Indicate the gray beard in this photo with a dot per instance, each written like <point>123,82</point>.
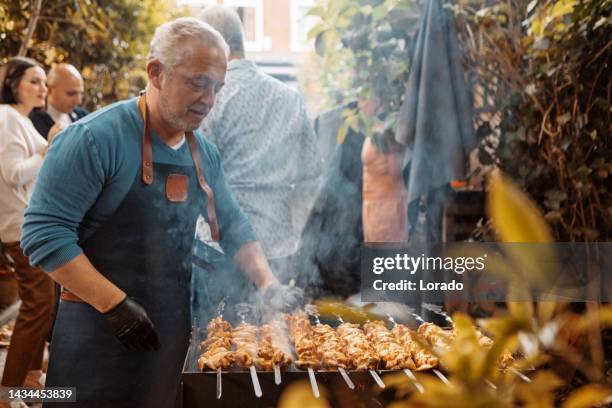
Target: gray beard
<point>175,119</point>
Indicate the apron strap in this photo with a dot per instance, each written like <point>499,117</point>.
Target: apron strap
<point>212,214</point>
<point>147,145</point>
<point>147,165</point>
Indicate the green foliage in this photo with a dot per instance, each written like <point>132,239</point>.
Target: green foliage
<point>365,45</point>
<point>546,336</point>
<point>542,83</point>
<point>107,40</point>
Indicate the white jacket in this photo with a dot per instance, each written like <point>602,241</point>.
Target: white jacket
<point>20,160</point>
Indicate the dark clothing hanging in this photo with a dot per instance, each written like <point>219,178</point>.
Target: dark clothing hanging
<point>330,250</point>
<point>436,117</point>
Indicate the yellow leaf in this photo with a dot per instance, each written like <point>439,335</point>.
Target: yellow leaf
<point>399,404</point>
<point>331,309</point>
<point>519,304</point>
<point>318,11</point>
<point>299,395</point>
<point>562,8</point>
<point>501,327</point>
<point>497,264</point>
<point>548,309</point>
<point>516,217</point>
<point>315,31</point>
<point>342,133</point>
<point>540,392</point>
<point>537,27</point>
<point>592,395</point>
<point>601,316</point>
<point>398,382</point>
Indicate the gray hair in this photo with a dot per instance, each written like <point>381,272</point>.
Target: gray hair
<point>165,44</point>
<point>225,20</point>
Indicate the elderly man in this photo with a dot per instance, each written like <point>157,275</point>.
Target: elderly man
<point>65,94</point>
<point>112,219</point>
<point>268,147</point>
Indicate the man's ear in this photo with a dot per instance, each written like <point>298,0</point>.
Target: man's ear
<point>154,72</point>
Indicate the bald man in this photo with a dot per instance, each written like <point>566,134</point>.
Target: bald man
<point>65,94</point>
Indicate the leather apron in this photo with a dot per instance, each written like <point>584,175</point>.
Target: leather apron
<point>145,249</point>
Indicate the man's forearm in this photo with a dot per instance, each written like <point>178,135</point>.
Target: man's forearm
<point>81,278</point>
<point>252,260</point>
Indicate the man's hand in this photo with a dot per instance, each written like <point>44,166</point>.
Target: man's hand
<point>131,325</point>
<point>282,297</point>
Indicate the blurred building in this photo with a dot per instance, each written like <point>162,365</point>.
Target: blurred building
<point>275,30</point>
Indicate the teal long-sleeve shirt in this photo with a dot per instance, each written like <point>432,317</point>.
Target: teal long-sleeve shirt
<point>89,170</point>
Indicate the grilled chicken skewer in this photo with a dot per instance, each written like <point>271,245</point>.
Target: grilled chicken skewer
<point>391,353</point>
<point>330,347</point>
<point>244,340</point>
<point>216,348</point>
<point>217,354</point>
<point>438,337</point>
<point>361,355</point>
<point>423,360</point>
<point>274,350</point>
<point>300,333</point>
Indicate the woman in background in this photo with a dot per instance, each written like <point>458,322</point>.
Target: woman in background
<point>22,149</point>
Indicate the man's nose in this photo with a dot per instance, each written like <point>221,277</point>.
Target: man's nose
<point>208,97</point>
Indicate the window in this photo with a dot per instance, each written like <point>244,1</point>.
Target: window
<point>251,14</point>
<point>301,25</point>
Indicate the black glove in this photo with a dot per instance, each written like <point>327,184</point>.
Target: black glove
<point>283,298</point>
<point>130,323</point>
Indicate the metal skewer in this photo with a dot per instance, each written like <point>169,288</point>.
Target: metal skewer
<point>519,374</point>
<point>373,373</point>
<point>312,311</point>
<point>441,376</point>
<point>414,380</point>
<point>313,383</point>
<point>277,375</point>
<point>346,378</point>
<point>408,371</point>
<point>377,378</point>
<point>255,381</point>
<point>490,384</point>
<point>343,372</point>
<point>220,307</point>
<point>418,318</point>
<point>219,313</point>
<point>438,310</point>
<point>242,310</point>
<point>219,385</point>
